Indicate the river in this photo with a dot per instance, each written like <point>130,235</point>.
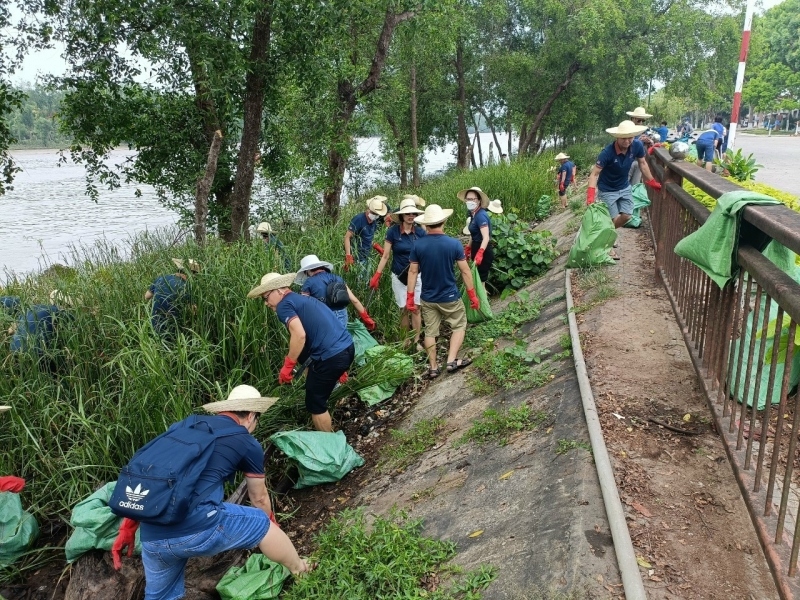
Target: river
<point>48,211</point>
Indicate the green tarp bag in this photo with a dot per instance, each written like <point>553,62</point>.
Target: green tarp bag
<point>362,340</point>
<point>542,210</point>
<point>484,313</point>
<point>18,529</point>
<point>258,579</point>
<point>399,364</point>
<point>96,527</point>
<point>320,457</point>
<point>595,238</point>
<point>640,201</point>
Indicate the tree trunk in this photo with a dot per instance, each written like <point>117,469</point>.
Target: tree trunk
<point>462,151</point>
<point>401,152</point>
<point>414,141</point>
<point>203,189</point>
<point>491,127</point>
<point>477,138</point>
<point>255,89</point>
<point>222,210</point>
<point>510,131</point>
<point>472,151</point>
<point>525,144</point>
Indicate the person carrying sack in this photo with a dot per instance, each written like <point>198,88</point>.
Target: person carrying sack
<point>400,240</point>
<point>210,526</point>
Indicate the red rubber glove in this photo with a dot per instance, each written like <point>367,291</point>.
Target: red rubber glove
<point>561,187</point>
<point>286,375</point>
<point>590,195</point>
<point>652,148</point>
<point>343,378</point>
<point>367,320</point>
<point>479,256</point>
<point>410,301</point>
<point>467,251</point>
<point>377,247</point>
<point>653,184</point>
<point>474,302</point>
<point>12,484</point>
<point>373,283</point>
<point>126,538</point>
<point>348,262</point>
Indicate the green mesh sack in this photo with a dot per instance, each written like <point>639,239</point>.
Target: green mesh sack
<point>258,579</point>
<point>640,201</point>
<point>400,365</point>
<point>320,457</point>
<point>18,529</point>
<point>362,340</point>
<point>484,313</point>
<point>594,239</point>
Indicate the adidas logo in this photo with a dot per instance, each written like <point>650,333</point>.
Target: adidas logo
<point>136,494</point>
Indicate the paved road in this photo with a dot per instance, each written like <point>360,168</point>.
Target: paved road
<point>780,156</point>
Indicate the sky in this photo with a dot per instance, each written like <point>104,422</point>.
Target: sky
<point>49,62</point>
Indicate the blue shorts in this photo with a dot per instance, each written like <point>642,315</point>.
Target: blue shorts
<point>239,528</point>
<point>618,202</point>
<point>705,150</point>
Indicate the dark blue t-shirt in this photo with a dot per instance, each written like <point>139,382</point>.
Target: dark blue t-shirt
<point>402,243</point>
<point>169,294</point>
<point>9,304</point>
<point>616,167</point>
<point>35,328</point>
<point>710,136</point>
<point>364,231</point>
<point>719,128</point>
<point>316,286</point>
<point>479,219</point>
<point>566,168</point>
<point>232,453</point>
<point>436,254</point>
<point>663,132</point>
<point>325,334</point>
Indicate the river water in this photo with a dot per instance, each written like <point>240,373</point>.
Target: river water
<point>48,211</point>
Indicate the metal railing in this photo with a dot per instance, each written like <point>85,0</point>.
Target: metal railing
<point>741,339</point>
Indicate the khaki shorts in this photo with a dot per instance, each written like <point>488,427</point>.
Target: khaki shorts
<point>452,313</point>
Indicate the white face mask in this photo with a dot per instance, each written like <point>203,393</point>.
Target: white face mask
<point>472,205</point>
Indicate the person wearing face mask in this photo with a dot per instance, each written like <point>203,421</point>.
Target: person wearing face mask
<point>480,229</point>
<point>363,227</point>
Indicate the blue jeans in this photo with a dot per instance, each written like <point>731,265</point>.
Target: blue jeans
<point>705,150</point>
<point>239,527</point>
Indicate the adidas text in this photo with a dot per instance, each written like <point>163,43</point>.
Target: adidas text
<point>131,505</point>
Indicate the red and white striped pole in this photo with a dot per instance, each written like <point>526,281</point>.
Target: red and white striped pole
<point>737,93</point>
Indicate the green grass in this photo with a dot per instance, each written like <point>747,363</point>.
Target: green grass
<point>387,559</point>
<point>498,425</point>
<point>509,368</point>
<point>597,285</point>
<point>565,446</point>
<point>407,446</point>
<point>525,307</point>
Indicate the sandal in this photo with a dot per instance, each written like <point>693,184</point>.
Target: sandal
<point>433,373</point>
<point>457,364</point>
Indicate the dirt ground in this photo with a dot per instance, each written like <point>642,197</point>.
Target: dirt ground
<point>690,528</point>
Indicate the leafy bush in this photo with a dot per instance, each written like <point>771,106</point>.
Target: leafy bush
<point>789,200</point>
<point>739,167</point>
<point>519,255</point>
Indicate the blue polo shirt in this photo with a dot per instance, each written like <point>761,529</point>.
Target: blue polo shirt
<point>316,286</point>
<point>719,128</point>
<point>325,334</point>
<point>479,220</point>
<point>170,293</point>
<point>364,231</point>
<point>663,132</point>
<point>402,244</point>
<point>9,304</point>
<point>232,453</point>
<point>566,168</point>
<point>615,167</point>
<point>35,328</point>
<point>436,253</point>
<point>710,136</point>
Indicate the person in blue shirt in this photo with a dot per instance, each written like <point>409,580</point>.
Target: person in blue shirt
<point>314,277</point>
<point>564,176</point>
<point>171,297</point>
<point>315,332</point>
<point>271,242</point>
<point>35,329</point>
<point>663,132</point>
<point>480,230</point>
<point>434,255</point>
<point>706,144</point>
<point>611,171</point>
<point>400,239</point>
<point>720,129</point>
<point>362,227</point>
<point>215,526</point>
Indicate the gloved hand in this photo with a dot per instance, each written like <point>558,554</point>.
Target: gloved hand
<point>561,187</point>
<point>467,251</point>
<point>373,283</point>
<point>343,378</point>
<point>10,483</point>
<point>653,184</point>
<point>590,195</point>
<point>410,301</point>
<point>367,320</point>
<point>474,302</point>
<point>126,538</point>
<point>652,148</point>
<point>348,262</point>
<point>479,256</point>
<point>286,375</point>
<point>377,247</point>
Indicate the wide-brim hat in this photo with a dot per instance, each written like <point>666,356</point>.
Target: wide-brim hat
<point>433,215</point>
<point>242,398</point>
<point>187,265</point>
<point>484,198</point>
<point>271,281</point>
<point>466,230</point>
<point>418,200</point>
<point>309,263</point>
<point>626,129</point>
<point>561,156</point>
<point>638,113</point>
<point>496,207</point>
<point>409,206</point>
<point>377,204</point>
<point>264,227</point>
